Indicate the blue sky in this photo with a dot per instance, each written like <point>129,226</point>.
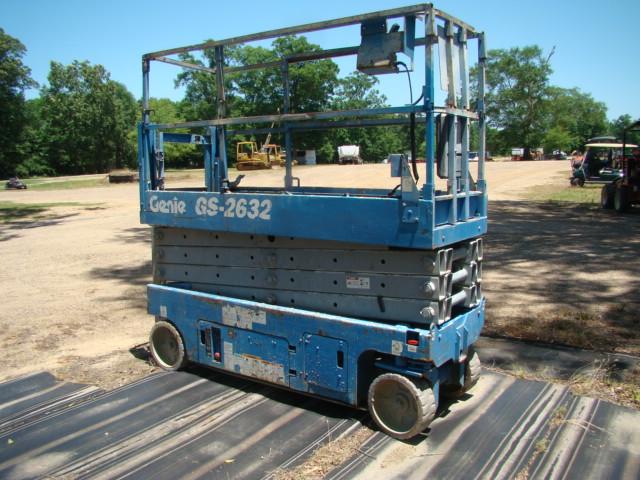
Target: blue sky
<point>596,44</point>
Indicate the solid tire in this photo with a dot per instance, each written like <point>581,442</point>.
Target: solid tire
<point>621,199</point>
<point>472,372</point>
<point>167,347</point>
<point>400,406</point>
<point>606,196</point>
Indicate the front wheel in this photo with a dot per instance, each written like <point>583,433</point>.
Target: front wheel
<point>400,406</point>
<point>166,346</point>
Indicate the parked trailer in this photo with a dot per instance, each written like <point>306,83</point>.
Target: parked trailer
<point>368,297</point>
<point>349,154</point>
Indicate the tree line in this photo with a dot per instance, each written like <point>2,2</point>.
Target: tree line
<point>84,122</point>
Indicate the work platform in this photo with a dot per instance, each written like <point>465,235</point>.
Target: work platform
<point>368,297</point>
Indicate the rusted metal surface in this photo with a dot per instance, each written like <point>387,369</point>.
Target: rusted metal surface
<point>205,425</point>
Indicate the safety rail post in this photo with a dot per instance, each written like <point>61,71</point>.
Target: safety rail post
<point>288,141</point>
<point>431,39</point>
<point>210,161</point>
<point>464,121</point>
<point>482,60</point>
<point>452,180</point>
<point>143,134</point>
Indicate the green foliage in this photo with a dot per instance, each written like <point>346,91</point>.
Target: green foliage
<point>618,126</point>
<point>523,110</point>
<point>517,86</point>
<point>313,86</point>
<point>573,118</point>
<point>14,79</point>
<point>164,110</point>
<point>86,118</point>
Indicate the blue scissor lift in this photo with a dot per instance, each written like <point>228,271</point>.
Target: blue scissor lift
<point>368,297</point>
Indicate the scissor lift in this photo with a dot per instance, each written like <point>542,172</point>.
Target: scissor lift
<point>368,297</point>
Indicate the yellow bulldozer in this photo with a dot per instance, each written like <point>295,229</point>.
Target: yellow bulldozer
<point>250,157</point>
<point>275,153</point>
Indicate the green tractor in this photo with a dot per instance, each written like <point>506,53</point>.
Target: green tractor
<point>625,190</point>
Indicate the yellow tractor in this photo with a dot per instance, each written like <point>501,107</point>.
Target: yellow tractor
<point>275,154</point>
<point>248,157</point>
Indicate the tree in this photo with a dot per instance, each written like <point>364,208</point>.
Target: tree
<point>618,126</point>
<point>573,118</point>
<point>14,79</point>
<point>177,155</point>
<point>357,91</point>
<point>517,86</point>
<point>87,117</point>
<point>32,148</point>
<point>256,92</point>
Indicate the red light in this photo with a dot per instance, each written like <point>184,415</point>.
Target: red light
<point>412,342</point>
<point>216,356</point>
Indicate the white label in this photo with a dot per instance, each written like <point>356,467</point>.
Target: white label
<point>175,206</point>
<point>234,207</point>
<point>412,348</point>
<point>396,347</point>
<point>360,283</point>
<point>163,311</point>
<point>242,317</point>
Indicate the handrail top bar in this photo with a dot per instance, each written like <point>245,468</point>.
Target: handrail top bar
<point>300,117</point>
<point>315,26</point>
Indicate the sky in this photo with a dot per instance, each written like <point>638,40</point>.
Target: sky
<point>596,44</point>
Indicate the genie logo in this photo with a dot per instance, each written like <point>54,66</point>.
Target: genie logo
<point>167,206</point>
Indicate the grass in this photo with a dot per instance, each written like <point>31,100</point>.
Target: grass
<point>587,195</point>
<point>611,328</point>
<point>53,184</point>
<point>598,380</point>
<point>11,211</point>
<point>326,457</point>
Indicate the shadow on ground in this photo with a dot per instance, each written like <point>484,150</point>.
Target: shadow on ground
<point>567,274</point>
<point>135,234</point>
<point>21,219</point>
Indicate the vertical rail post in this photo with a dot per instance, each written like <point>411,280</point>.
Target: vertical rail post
<point>482,60</point>
<point>464,121</point>
<point>210,160</point>
<point>220,159</point>
<point>288,143</point>
<point>429,189</point>
<point>452,120</point>
<point>144,146</point>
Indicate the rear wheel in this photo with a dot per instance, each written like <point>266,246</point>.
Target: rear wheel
<point>167,347</point>
<point>621,199</point>
<point>606,196</point>
<point>400,406</point>
<point>472,371</point>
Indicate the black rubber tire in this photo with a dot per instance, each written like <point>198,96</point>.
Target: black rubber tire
<point>606,196</point>
<point>472,372</point>
<point>167,347</point>
<point>401,407</point>
<point>621,199</point>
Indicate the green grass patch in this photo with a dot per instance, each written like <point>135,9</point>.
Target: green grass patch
<point>587,195</point>
<point>11,211</point>
<point>52,184</point>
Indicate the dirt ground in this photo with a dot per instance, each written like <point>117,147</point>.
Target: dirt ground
<point>73,277</point>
